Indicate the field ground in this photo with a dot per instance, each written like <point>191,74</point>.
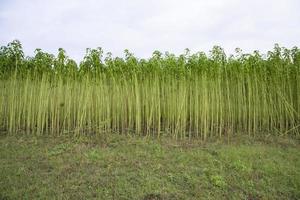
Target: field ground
<point>122,167</point>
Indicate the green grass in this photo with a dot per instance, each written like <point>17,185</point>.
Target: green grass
<point>123,167</point>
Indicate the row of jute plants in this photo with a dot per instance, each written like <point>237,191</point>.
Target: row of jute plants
<point>186,96</point>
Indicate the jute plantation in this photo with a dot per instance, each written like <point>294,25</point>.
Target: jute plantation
<point>182,96</point>
<point>189,126</point>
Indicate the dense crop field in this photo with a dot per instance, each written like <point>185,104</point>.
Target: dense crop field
<point>185,96</point>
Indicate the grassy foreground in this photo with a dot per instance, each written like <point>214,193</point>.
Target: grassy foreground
<point>122,167</point>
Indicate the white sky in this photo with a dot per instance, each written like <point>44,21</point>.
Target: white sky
<point>143,26</point>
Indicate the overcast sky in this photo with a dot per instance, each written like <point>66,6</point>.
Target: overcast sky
<point>143,26</point>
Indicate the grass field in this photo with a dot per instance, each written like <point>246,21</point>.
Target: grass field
<point>122,167</point>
